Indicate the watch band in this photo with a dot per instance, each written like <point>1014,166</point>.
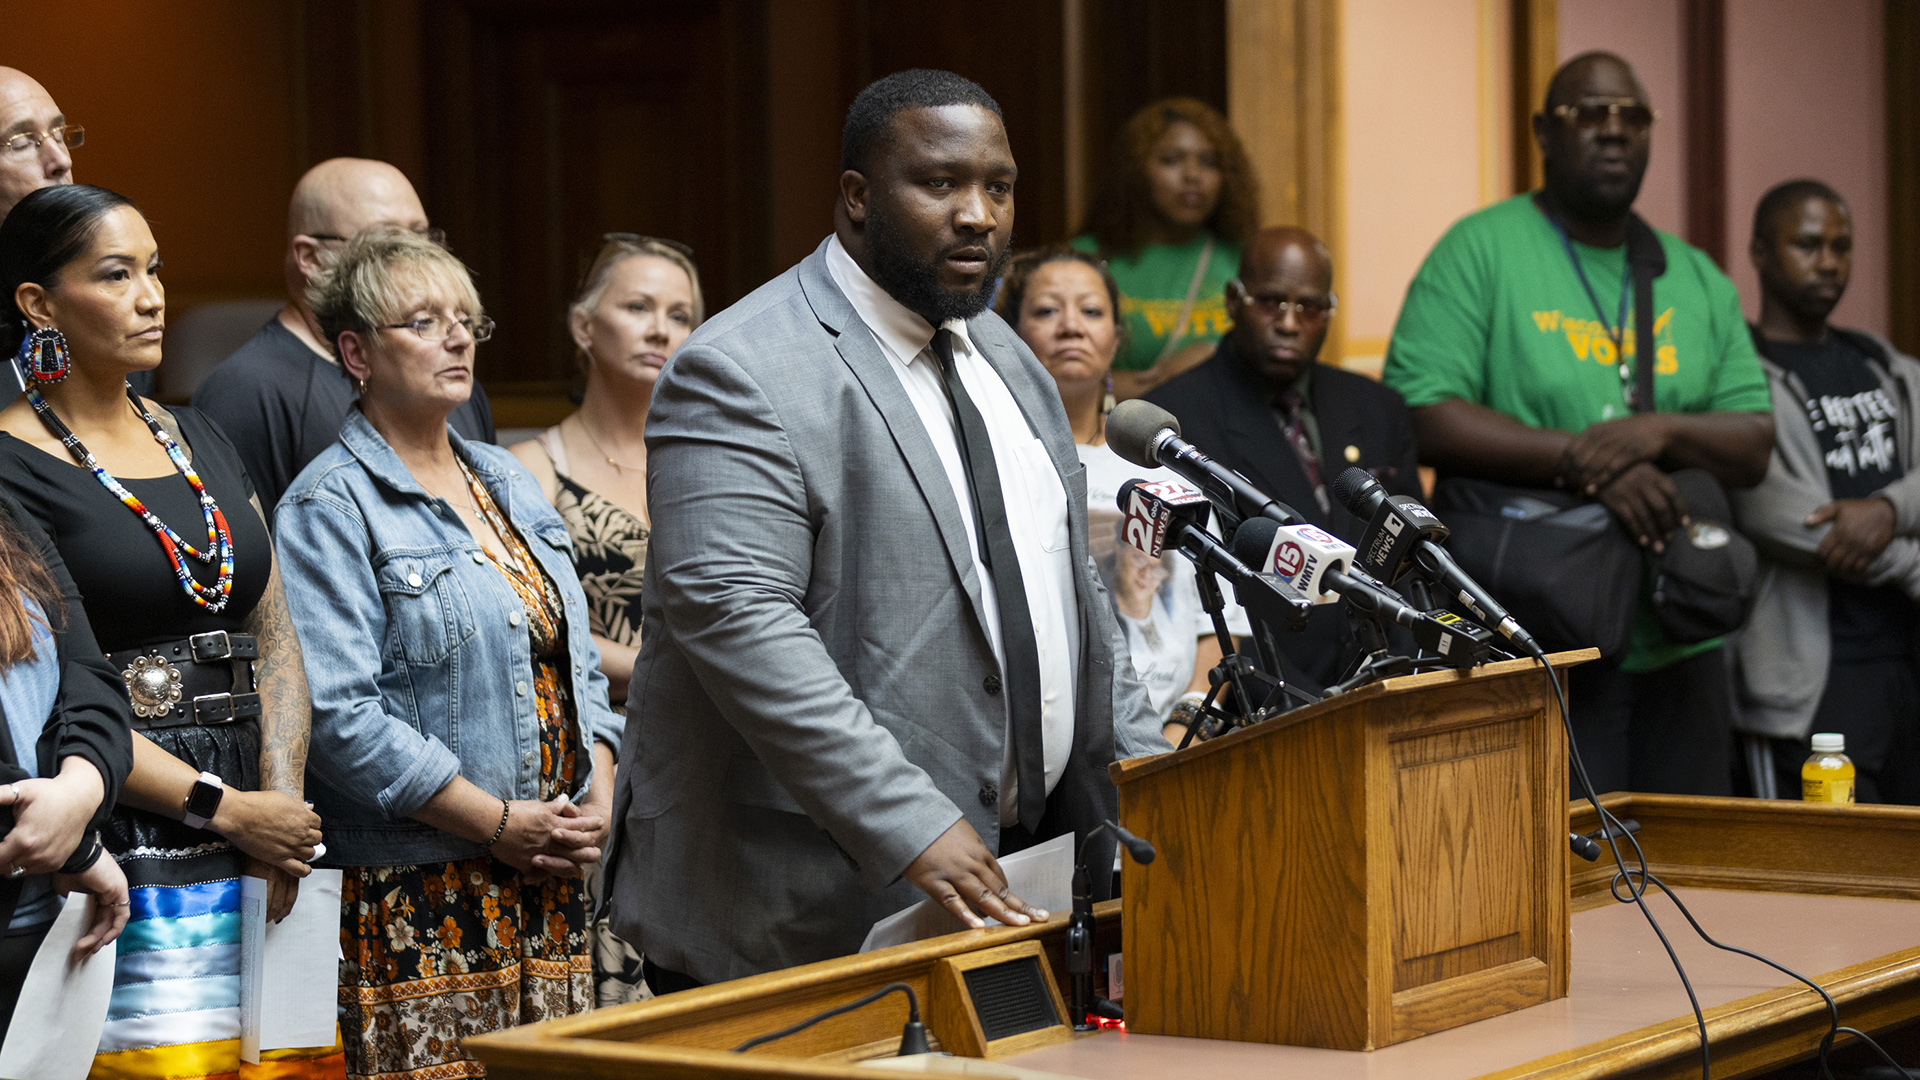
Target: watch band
<point>203,801</point>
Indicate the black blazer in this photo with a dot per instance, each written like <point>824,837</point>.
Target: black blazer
<point>1226,410</point>
<point>91,717</point>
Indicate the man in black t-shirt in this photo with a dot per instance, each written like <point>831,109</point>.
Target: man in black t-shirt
<point>1832,644</point>
<point>282,395</point>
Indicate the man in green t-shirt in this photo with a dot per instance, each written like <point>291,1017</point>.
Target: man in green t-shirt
<point>1515,349</point>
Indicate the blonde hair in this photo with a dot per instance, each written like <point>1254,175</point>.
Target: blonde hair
<point>376,273</point>
<point>616,248</point>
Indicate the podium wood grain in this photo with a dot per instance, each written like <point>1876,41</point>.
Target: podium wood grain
<point>1358,872</point>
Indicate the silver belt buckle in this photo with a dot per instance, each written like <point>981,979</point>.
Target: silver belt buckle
<point>154,685</point>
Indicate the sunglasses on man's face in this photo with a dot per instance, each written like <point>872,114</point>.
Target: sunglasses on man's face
<point>1591,114</point>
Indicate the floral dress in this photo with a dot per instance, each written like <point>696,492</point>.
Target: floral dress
<point>435,953</point>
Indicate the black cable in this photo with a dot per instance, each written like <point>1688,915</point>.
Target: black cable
<point>913,1017</point>
<point>1833,1010</point>
<point>1612,829</point>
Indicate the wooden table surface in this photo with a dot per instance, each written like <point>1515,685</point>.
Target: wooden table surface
<point>1626,1010</point>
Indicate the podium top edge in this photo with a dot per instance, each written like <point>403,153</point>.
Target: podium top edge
<point>1134,768</point>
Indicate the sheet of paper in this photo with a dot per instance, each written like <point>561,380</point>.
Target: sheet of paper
<point>63,1006</point>
<point>288,969</point>
<point>1042,875</point>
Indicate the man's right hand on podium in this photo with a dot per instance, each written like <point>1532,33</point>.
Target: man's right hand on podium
<point>962,876</point>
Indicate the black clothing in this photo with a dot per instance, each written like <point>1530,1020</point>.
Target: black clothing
<point>122,571</point>
<point>1668,731</point>
<point>1854,420</point>
<point>1876,705</point>
<point>1226,408</point>
<point>282,403</point>
<point>17,951</point>
<point>91,716</point>
<point>133,599</point>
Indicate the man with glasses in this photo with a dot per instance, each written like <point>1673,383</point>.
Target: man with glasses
<point>282,396</point>
<point>1262,405</point>
<point>1516,348</point>
<point>34,139</point>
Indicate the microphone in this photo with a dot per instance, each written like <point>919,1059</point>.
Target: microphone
<point>1149,436</point>
<point>1080,928</point>
<point>1359,493</point>
<point>1320,565</point>
<point>1163,514</point>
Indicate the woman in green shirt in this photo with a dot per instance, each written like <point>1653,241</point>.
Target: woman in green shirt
<point>1169,219</point>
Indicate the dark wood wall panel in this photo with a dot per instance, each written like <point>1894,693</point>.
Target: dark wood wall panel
<point>1139,51</point>
<point>1903,173</point>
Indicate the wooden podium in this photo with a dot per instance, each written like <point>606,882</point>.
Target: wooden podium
<point>1362,871</point>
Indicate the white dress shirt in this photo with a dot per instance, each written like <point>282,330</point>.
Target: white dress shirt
<point>1036,500</point>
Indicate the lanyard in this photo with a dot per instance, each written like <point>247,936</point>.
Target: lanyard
<point>1616,330</point>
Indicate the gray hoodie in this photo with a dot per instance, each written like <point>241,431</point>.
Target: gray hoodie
<point>1781,658</point>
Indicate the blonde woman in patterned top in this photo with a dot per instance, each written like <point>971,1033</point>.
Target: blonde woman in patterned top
<point>638,300</point>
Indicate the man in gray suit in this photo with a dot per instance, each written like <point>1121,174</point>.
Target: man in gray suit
<point>874,650</point>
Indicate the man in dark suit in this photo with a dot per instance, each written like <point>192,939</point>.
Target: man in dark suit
<point>1262,406</point>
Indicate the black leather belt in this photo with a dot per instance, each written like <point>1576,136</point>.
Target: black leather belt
<point>205,679</point>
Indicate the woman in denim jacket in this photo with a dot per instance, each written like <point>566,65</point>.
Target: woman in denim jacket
<point>462,738</point>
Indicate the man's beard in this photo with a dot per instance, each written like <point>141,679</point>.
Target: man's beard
<point>1592,200</point>
<point>916,284</point>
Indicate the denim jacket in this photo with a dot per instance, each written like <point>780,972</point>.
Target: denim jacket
<point>416,648</point>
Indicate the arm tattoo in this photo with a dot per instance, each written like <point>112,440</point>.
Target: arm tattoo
<point>286,716</point>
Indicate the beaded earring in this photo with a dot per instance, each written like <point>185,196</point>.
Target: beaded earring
<point>43,357</point>
<point>1107,403</point>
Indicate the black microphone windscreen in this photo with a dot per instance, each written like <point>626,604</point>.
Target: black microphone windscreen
<point>1253,539</point>
<point>1349,488</point>
<point>1141,851</point>
<point>1126,493</point>
<point>1132,425</point>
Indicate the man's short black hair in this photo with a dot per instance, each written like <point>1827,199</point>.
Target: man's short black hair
<point>1783,197</point>
<point>918,88</point>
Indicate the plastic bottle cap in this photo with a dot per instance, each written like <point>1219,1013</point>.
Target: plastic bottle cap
<point>1829,743</point>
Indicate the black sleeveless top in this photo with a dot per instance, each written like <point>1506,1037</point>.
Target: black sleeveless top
<point>127,583</point>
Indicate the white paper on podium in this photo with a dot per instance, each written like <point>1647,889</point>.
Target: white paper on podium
<point>56,1026</point>
<point>289,969</point>
<point>1042,875</point>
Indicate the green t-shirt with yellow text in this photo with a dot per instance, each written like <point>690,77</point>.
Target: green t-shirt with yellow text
<point>1153,285</point>
<point>1497,316</point>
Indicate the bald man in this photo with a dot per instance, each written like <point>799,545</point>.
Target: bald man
<point>281,397</point>
<point>34,139</point>
<point>1516,350</point>
<point>1264,406</point>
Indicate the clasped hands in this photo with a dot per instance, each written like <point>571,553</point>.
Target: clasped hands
<point>1862,529</point>
<point>1613,461</point>
<point>553,838</point>
<point>50,819</point>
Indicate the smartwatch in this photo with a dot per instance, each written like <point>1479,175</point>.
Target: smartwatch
<point>203,801</point>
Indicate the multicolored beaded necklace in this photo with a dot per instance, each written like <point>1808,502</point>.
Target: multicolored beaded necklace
<point>219,540</point>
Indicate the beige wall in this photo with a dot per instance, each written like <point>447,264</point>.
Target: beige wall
<point>1426,142</point>
<point>1805,98</point>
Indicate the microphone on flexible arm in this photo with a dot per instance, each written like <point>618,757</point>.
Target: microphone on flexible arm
<point>1080,928</point>
<point>1399,527</point>
<point>1320,565</point>
<point>1147,435</point>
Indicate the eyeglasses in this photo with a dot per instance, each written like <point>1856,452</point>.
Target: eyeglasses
<point>636,238</point>
<point>69,136</point>
<point>435,234</point>
<point>437,327</point>
<point>1591,114</point>
<point>1306,308</point>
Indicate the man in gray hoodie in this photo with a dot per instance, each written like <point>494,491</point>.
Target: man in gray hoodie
<point>1831,646</point>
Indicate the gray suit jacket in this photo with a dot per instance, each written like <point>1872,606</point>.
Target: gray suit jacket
<point>809,711</point>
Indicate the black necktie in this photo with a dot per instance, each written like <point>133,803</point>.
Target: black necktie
<point>1009,589</point>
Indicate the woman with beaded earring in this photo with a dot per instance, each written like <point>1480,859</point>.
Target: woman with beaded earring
<point>154,518</point>
<point>638,300</point>
<point>1063,304</point>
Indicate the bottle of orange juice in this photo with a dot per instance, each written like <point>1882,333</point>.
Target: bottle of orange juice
<point>1828,774</point>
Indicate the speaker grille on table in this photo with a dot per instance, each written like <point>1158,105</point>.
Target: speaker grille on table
<point>1011,998</point>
